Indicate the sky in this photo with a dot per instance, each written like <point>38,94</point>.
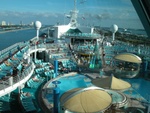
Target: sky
<point>102,13</point>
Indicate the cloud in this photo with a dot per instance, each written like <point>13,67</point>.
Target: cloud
<point>27,17</point>
<point>105,15</point>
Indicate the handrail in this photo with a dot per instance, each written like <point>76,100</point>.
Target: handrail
<point>42,47</point>
<point>91,35</point>
<point>5,53</point>
<point>11,47</point>
<point>12,81</point>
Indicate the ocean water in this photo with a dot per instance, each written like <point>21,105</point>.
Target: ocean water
<point>134,31</point>
<point>9,38</point>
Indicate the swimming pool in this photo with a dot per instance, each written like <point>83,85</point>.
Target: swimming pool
<point>68,83</point>
<point>71,82</point>
<point>140,88</point>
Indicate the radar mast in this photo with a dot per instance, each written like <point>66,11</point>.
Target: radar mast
<point>74,15</point>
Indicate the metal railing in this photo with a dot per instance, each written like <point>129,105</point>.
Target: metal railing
<point>5,53</point>
<point>20,76</point>
<point>91,35</point>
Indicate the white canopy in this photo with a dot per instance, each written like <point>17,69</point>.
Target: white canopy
<point>129,57</point>
<point>111,82</point>
<point>86,101</point>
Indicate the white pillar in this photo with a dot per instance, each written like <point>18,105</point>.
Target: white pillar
<point>29,59</point>
<point>37,26</point>
<point>11,81</point>
<point>113,36</point>
<point>37,33</point>
<point>35,55</point>
<point>47,56</point>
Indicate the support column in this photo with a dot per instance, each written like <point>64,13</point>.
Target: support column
<point>35,54</point>
<point>29,59</point>
<point>10,81</point>
<point>55,68</point>
<point>47,56</point>
<point>56,92</point>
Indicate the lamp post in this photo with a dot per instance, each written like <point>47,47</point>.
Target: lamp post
<point>37,26</point>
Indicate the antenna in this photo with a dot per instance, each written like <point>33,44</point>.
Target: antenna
<point>73,16</point>
<point>75,4</point>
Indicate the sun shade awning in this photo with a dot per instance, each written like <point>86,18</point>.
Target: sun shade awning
<point>111,83</point>
<point>87,101</point>
<point>128,57</point>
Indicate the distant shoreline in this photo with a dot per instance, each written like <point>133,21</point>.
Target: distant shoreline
<point>13,30</point>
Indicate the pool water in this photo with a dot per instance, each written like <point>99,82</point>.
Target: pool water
<point>116,97</point>
<point>71,82</point>
<point>140,87</point>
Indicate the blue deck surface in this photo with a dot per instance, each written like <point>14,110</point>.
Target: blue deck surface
<point>140,87</point>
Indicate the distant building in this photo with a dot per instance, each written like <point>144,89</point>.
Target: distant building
<point>3,23</point>
<point>21,23</point>
<point>9,24</point>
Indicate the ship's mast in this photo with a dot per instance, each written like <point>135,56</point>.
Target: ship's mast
<point>74,15</point>
<point>75,4</point>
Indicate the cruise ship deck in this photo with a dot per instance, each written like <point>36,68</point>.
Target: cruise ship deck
<point>76,69</point>
<point>30,73</point>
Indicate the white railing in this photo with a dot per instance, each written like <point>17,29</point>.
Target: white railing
<point>91,35</point>
<point>13,82</point>
<point>43,47</point>
<point>5,53</point>
<point>10,83</point>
